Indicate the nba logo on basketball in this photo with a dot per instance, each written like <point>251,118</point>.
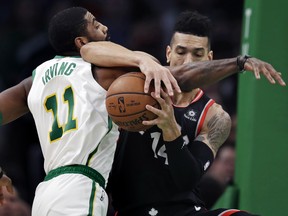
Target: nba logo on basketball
<point>121,105</point>
<point>126,102</point>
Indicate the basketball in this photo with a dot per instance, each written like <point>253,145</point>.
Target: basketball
<point>126,101</point>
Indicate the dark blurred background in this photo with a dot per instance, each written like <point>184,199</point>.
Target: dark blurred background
<point>137,24</point>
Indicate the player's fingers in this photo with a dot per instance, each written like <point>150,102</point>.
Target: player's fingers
<point>253,65</point>
<point>157,87</point>
<point>276,75</point>
<point>166,97</point>
<point>9,186</point>
<point>147,83</point>
<point>167,83</point>
<point>162,102</point>
<point>10,189</point>
<point>151,122</point>
<point>153,110</point>
<point>174,83</point>
<point>268,76</point>
<point>256,71</point>
<point>279,79</point>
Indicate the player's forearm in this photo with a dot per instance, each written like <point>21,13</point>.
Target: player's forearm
<point>13,101</point>
<point>184,167</point>
<point>171,133</point>
<point>11,111</point>
<point>108,54</point>
<point>199,74</point>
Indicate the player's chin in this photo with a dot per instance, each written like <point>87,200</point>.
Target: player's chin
<point>108,37</point>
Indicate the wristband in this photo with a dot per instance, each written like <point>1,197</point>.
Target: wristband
<point>241,60</point>
<point>1,173</point>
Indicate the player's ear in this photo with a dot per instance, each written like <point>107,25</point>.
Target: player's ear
<point>210,55</point>
<point>168,53</point>
<point>80,41</point>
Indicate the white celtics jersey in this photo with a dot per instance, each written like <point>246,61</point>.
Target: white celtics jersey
<point>68,106</point>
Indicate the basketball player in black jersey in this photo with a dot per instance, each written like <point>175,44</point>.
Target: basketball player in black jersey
<point>155,172</point>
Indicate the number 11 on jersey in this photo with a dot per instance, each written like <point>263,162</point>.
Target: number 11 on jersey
<point>51,105</point>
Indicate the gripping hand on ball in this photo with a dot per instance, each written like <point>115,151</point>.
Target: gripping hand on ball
<point>166,120</point>
<point>160,74</point>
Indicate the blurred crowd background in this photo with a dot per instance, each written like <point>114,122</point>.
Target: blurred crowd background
<point>137,24</point>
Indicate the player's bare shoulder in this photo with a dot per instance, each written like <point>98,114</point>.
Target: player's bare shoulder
<point>216,127</point>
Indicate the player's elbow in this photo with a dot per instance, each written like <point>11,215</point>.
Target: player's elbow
<point>85,51</point>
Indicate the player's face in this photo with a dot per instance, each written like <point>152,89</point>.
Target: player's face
<point>96,30</point>
<point>186,48</point>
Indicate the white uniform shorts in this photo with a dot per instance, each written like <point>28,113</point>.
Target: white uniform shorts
<point>70,194</point>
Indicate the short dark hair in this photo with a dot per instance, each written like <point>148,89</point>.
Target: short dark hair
<point>65,26</point>
<point>192,22</point>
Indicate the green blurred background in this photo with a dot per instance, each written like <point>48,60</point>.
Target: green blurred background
<point>262,130</point>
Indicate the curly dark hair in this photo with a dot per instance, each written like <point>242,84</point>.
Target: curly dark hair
<point>64,27</point>
<point>192,22</point>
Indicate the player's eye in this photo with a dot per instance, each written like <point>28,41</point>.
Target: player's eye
<point>181,52</point>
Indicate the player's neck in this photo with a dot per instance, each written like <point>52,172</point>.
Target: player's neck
<point>185,98</point>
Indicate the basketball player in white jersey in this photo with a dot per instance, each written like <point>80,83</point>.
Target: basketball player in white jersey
<point>66,97</point>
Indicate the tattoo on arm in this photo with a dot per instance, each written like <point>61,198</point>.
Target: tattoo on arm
<point>218,129</point>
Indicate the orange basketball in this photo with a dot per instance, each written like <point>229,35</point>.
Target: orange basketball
<point>126,101</point>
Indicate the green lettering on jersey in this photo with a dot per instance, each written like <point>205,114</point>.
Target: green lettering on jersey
<point>53,70</point>
<point>70,69</point>
<point>47,77</point>
<point>69,99</point>
<point>51,105</point>
<point>62,68</point>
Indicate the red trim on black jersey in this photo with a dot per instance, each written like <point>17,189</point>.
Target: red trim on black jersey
<point>229,212</point>
<point>198,96</point>
<point>203,116</point>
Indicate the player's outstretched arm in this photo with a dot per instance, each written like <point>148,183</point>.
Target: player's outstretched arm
<point>260,67</point>
<point>108,54</point>
<point>13,101</point>
<point>199,74</point>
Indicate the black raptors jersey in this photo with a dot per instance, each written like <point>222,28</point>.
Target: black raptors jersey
<point>140,174</point>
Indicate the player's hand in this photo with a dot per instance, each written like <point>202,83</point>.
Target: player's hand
<point>260,67</point>
<point>155,71</point>
<point>166,120</point>
<point>5,181</point>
